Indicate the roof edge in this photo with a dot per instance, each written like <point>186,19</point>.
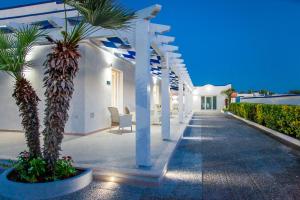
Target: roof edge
<point>31,4</point>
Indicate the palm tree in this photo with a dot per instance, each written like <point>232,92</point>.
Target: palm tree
<point>62,67</point>
<point>228,94</point>
<point>13,50</point>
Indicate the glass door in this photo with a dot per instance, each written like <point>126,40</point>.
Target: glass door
<point>208,102</point>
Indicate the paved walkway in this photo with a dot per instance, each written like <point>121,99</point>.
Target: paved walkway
<point>241,162</point>
<point>218,158</point>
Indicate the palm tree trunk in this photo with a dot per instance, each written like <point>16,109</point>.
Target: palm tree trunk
<point>61,68</point>
<point>27,101</point>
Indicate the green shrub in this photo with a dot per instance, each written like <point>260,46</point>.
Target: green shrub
<point>282,118</point>
<point>32,170</point>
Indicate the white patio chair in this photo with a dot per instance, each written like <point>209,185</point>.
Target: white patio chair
<point>128,112</point>
<point>122,121</point>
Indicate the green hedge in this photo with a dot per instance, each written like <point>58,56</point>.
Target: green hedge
<point>282,118</point>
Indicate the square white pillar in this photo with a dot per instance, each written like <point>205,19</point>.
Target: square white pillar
<point>165,103</point>
<point>180,101</point>
<point>142,94</point>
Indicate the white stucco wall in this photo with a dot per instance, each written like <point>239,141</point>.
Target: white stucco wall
<point>98,65</point>
<point>92,96</point>
<point>209,90</point>
<point>9,118</point>
<point>288,100</point>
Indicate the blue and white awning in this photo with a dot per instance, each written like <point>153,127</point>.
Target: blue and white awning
<point>125,51</point>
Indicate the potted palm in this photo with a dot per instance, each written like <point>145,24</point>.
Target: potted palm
<point>51,176</point>
<point>30,166</point>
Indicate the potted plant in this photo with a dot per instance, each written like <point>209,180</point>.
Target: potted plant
<point>30,166</point>
<point>37,175</point>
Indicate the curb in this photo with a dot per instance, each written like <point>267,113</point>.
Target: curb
<point>34,191</point>
<point>285,139</point>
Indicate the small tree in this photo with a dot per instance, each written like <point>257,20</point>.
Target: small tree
<point>228,94</point>
<point>13,50</point>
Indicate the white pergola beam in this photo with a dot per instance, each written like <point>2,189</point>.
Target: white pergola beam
<point>176,61</point>
<point>159,28</point>
<point>174,55</point>
<point>169,48</point>
<point>149,13</point>
<point>162,39</point>
<point>180,65</point>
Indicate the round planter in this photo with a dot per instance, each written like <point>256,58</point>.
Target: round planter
<point>32,191</point>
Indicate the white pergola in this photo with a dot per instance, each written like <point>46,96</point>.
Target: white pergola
<point>142,36</point>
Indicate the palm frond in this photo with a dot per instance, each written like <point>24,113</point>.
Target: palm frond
<point>14,48</point>
<point>26,36</point>
<point>6,41</point>
<point>105,13</point>
<point>79,32</point>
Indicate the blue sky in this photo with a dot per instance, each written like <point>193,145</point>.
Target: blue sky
<point>253,44</point>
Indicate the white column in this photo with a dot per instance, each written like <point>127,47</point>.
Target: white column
<point>165,102</point>
<point>180,101</point>
<point>185,100</point>
<point>186,107</point>
<point>142,94</point>
<point>189,101</point>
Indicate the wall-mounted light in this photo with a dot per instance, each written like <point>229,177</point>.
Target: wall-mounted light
<point>109,57</point>
<point>155,80</point>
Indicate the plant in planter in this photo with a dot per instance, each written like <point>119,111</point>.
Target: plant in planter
<point>228,94</point>
<point>29,179</point>
<point>13,51</point>
<point>28,169</point>
<point>61,67</point>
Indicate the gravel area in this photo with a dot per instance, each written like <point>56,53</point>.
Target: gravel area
<point>218,158</point>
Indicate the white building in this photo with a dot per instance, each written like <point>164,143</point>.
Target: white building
<point>209,98</point>
<point>137,68</point>
<point>274,99</point>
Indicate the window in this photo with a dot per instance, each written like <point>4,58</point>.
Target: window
<point>214,103</point>
<point>202,103</point>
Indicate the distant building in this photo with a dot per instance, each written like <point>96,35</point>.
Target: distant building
<point>285,99</point>
<point>209,97</point>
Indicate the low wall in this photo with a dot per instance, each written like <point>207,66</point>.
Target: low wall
<point>288,100</point>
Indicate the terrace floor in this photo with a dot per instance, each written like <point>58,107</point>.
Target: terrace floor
<point>108,152</point>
